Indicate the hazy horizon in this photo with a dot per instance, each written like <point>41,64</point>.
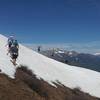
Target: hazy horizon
<point>89,47</point>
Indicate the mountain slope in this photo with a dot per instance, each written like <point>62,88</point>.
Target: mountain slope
<point>26,86</point>
<point>51,70</point>
<point>73,58</point>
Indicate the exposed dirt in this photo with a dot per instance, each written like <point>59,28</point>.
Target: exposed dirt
<point>26,86</point>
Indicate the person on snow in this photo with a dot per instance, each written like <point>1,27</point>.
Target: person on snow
<point>9,43</point>
<point>39,48</point>
<point>11,38</point>
<point>14,54</point>
<point>15,43</point>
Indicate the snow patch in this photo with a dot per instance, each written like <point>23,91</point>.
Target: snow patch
<point>50,70</point>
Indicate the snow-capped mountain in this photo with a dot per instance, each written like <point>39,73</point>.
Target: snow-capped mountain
<point>84,60</point>
<point>97,54</point>
<point>50,70</point>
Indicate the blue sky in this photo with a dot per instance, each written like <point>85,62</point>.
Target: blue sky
<point>51,21</point>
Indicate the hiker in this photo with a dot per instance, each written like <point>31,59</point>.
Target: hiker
<point>11,38</point>
<point>14,54</point>
<point>9,43</point>
<point>39,48</point>
<point>15,43</point>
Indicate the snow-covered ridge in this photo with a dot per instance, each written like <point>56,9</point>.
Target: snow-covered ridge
<point>51,70</point>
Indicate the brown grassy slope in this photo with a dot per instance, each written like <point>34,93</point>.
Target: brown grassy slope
<point>48,92</point>
<point>26,86</point>
<point>15,90</point>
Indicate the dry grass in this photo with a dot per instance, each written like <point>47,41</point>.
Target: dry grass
<point>26,86</point>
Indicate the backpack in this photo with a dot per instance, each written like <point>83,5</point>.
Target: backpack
<point>15,43</point>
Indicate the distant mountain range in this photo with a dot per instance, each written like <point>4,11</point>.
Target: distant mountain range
<point>90,47</point>
<point>89,59</point>
<point>76,59</point>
